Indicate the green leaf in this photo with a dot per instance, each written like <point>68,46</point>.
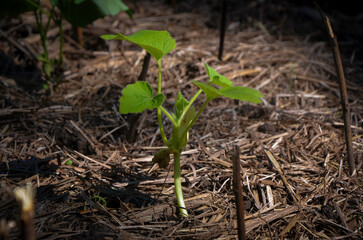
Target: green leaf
<point>208,90</point>
<point>69,162</point>
<point>80,13</point>
<point>138,97</point>
<point>241,93</point>
<point>216,78</point>
<point>157,43</point>
<point>158,100</point>
<point>180,105</point>
<point>187,119</point>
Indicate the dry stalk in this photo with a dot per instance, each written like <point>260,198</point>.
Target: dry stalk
<point>343,92</point>
<point>25,198</point>
<point>237,188</point>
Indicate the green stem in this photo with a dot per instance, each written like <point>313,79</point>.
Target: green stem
<point>160,121</point>
<point>188,106</point>
<point>37,5</point>
<point>159,76</point>
<point>178,188</point>
<point>161,128</point>
<point>58,21</point>
<point>168,115</point>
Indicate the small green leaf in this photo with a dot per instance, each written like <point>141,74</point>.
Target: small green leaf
<point>157,100</point>
<point>69,162</point>
<point>157,43</point>
<point>47,68</point>
<point>210,91</point>
<point>241,93</point>
<point>216,78</point>
<point>180,104</point>
<point>138,97</point>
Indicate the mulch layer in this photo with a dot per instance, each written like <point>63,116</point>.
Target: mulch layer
<point>292,151</point>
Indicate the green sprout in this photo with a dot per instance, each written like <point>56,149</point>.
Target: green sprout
<point>139,96</point>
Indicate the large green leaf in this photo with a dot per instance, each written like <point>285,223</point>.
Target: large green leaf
<point>216,78</point>
<point>241,93</point>
<point>157,43</point>
<point>138,97</point>
<point>80,13</point>
<point>227,88</point>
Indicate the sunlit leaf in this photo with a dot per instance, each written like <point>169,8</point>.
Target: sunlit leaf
<point>138,97</point>
<point>241,93</point>
<point>157,43</point>
<point>216,78</point>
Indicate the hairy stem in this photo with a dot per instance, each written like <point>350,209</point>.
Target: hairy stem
<point>177,183</point>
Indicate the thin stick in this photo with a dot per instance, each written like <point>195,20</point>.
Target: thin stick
<point>237,188</point>
<point>343,91</point>
<point>222,28</point>
<point>145,67</point>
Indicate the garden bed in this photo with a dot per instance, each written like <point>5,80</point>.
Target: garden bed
<point>112,190</point>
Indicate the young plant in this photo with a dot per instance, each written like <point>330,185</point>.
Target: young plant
<point>139,96</point>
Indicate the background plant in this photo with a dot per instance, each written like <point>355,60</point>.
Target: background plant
<point>79,13</point>
<point>139,96</point>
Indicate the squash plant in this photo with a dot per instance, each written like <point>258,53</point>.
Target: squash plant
<point>77,12</point>
<point>139,96</point>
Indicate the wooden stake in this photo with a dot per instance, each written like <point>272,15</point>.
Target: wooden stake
<point>237,188</point>
<point>222,28</point>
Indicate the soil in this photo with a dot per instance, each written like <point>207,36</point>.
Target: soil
<point>91,167</point>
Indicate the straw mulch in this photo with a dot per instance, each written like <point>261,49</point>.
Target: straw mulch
<point>295,177</point>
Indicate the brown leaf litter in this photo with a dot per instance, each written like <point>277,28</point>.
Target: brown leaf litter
<point>295,178</point>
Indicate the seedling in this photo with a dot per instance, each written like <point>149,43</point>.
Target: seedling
<point>139,96</point>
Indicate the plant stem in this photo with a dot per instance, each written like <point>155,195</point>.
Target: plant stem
<point>159,76</point>
<point>177,184</point>
<point>160,121</point>
<point>58,21</point>
<point>162,133</point>
<point>168,115</point>
<point>187,107</point>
